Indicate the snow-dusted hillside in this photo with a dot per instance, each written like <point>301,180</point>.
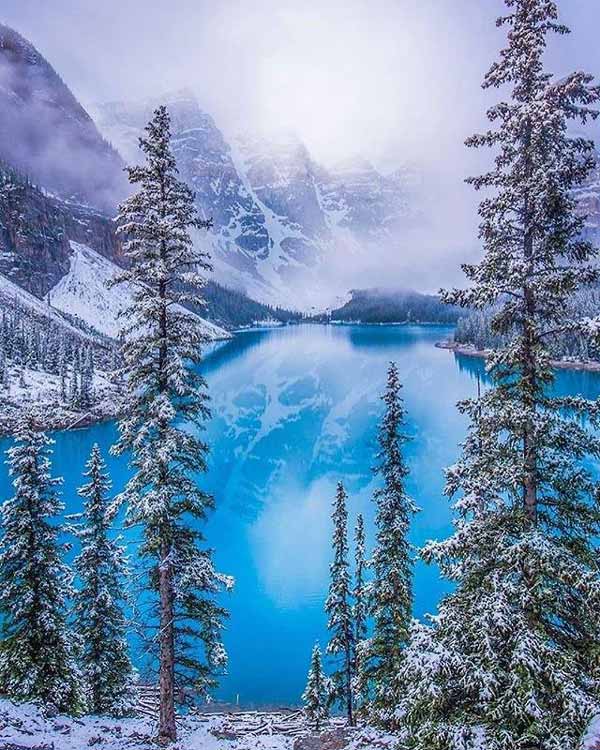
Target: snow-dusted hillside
<point>28,386</point>
<point>588,198</point>
<point>11,295</point>
<point>279,217</point>
<point>84,292</point>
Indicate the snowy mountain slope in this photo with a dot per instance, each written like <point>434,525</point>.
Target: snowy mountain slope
<point>83,292</point>
<point>358,197</point>
<point>278,215</point>
<point>588,198</point>
<point>12,295</point>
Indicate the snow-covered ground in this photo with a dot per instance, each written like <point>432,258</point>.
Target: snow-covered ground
<point>39,393</point>
<point>84,292</point>
<point>26,726</point>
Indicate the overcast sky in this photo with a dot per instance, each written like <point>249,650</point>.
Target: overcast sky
<point>395,80</point>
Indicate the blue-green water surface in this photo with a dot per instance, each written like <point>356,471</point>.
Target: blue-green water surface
<point>295,410</point>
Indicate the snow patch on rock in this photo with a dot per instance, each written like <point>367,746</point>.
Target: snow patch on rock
<point>11,294</point>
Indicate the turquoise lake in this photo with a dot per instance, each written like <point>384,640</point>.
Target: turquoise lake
<point>295,410</point>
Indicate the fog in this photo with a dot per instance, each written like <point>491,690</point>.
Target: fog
<point>398,81</point>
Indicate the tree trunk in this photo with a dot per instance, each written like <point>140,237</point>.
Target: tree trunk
<point>349,706</point>
<point>529,447</point>
<point>167,730</point>
<point>530,489</point>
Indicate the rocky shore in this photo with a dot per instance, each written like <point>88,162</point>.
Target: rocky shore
<point>468,350</point>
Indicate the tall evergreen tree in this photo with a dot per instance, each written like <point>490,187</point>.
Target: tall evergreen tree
<point>166,411</point>
<point>37,659</point>
<point>74,388</point>
<point>63,379</point>
<point>360,598</point>
<point>99,619</point>
<point>512,657</point>
<point>339,608</point>
<point>315,696</point>
<point>360,610</point>
<point>86,385</point>
<point>392,596</point>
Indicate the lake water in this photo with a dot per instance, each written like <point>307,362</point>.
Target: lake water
<point>294,411</point>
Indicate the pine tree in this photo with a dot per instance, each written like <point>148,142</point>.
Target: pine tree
<point>3,366</point>
<point>392,596</point>
<point>63,378</point>
<point>75,391</point>
<point>315,696</point>
<point>166,411</point>
<point>87,378</point>
<point>360,611</point>
<point>99,619</point>
<point>36,649</point>
<point>512,657</point>
<point>360,602</point>
<point>339,608</point>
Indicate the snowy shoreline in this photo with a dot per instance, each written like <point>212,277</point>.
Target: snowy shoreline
<point>52,416</point>
<point>560,364</point>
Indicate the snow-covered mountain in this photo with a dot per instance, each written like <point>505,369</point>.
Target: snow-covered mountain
<point>84,293</point>
<point>278,215</point>
<point>588,196</point>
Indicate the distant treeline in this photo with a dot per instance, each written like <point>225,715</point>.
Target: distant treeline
<point>385,306</point>
<point>232,309</point>
<point>475,329</point>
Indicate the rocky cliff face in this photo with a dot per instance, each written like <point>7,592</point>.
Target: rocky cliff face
<point>46,134</point>
<point>277,213</point>
<point>35,230</point>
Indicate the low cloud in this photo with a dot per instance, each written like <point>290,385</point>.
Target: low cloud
<point>395,81</point>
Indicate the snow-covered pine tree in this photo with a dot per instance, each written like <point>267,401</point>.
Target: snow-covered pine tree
<point>87,378</point>
<point>360,610</point>
<point>166,411</point>
<point>37,659</point>
<point>74,389</point>
<point>339,608</point>
<point>360,599</point>
<point>512,658</point>
<point>3,366</point>
<point>63,377</point>
<point>315,696</point>
<point>391,590</point>
<point>99,619</point>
